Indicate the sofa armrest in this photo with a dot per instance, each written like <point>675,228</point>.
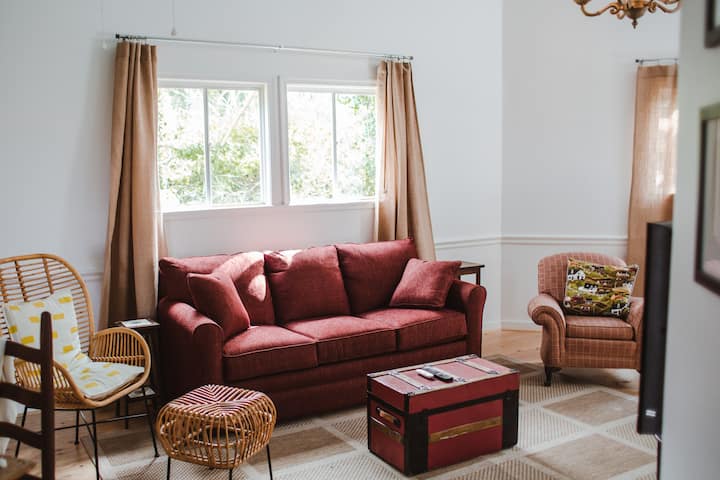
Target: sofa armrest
<point>470,299</point>
<point>544,310</point>
<point>191,347</point>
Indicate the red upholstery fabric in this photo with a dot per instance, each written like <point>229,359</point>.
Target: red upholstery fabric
<point>371,271</point>
<point>173,274</point>
<point>346,338</point>
<point>247,272</point>
<point>605,328</point>
<point>191,348</point>
<point>215,296</point>
<point>417,328</point>
<point>306,283</point>
<point>470,299</point>
<point>424,284</point>
<point>264,350</point>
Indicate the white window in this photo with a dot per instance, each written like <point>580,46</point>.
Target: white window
<point>331,143</point>
<point>211,146</point>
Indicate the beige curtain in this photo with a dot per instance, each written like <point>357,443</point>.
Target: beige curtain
<point>403,209</point>
<point>653,176</point>
<point>134,234</point>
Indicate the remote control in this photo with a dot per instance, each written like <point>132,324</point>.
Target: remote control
<point>425,373</point>
<point>439,374</point>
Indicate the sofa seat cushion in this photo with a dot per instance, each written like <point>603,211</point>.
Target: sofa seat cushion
<point>417,328</point>
<point>345,337</point>
<point>601,328</point>
<point>306,283</point>
<point>265,350</point>
<point>371,271</point>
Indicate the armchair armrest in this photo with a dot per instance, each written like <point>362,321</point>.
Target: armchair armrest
<point>470,299</point>
<point>635,318</point>
<point>544,310</point>
<point>120,345</point>
<point>191,346</point>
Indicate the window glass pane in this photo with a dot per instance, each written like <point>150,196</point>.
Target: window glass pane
<point>181,147</point>
<point>235,148</point>
<point>355,137</point>
<point>310,145</point>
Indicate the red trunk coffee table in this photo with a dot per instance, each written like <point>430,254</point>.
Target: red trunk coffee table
<point>417,424</point>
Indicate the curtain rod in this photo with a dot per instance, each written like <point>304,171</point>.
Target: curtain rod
<point>266,46</point>
<point>642,61</point>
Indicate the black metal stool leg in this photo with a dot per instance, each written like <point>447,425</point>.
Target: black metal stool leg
<point>267,449</point>
<point>77,427</point>
<point>150,421</point>
<point>95,445</point>
<point>167,477</point>
<point>127,412</point>
<point>230,474</point>
<point>22,424</point>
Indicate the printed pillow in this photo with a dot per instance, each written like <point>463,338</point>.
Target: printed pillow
<point>598,290</point>
<point>214,295</point>
<point>94,379</point>
<point>425,284</point>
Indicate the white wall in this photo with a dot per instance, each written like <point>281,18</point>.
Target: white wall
<point>55,97</point>
<point>691,418</point>
<point>568,108</point>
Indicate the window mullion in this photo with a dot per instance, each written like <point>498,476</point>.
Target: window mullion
<point>334,147</point>
<point>208,176</point>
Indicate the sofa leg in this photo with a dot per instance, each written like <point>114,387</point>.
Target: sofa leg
<point>548,374</point>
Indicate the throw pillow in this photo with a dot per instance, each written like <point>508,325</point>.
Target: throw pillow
<point>425,284</point>
<point>215,296</point>
<point>598,290</point>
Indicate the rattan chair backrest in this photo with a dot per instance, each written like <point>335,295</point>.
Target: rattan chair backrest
<point>37,276</point>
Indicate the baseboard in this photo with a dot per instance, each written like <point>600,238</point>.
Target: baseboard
<point>523,325</point>
<point>491,326</point>
<point>485,241</point>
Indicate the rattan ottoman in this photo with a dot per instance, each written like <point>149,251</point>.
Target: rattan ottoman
<point>216,426</point>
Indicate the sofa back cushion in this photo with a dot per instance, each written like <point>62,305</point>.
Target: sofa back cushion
<point>174,271</point>
<point>306,283</point>
<point>372,271</point>
<point>215,296</point>
<point>248,274</point>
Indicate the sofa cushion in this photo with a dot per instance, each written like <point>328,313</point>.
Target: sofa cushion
<point>424,284</point>
<point>371,271</point>
<point>306,283</point>
<point>247,272</point>
<point>602,328</point>
<point>417,328</point>
<point>173,274</point>
<point>344,337</point>
<point>264,350</point>
<point>215,296</point>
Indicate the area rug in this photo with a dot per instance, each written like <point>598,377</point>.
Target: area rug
<point>575,429</point>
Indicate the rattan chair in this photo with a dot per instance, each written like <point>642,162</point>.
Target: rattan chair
<point>33,277</point>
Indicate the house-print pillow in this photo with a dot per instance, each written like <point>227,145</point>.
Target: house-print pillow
<point>598,290</point>
<point>23,320</point>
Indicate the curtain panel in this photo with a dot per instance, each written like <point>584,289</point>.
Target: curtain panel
<point>135,237</point>
<point>403,210</point>
<point>654,157</point>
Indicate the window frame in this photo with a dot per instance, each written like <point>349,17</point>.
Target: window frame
<point>325,86</point>
<point>264,107</point>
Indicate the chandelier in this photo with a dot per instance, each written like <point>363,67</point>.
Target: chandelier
<point>632,9</point>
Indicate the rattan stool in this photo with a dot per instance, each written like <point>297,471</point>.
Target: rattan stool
<point>216,426</point>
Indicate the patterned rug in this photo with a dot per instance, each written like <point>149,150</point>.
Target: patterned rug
<point>576,429</point>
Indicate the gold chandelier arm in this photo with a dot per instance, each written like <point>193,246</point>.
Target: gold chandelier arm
<point>665,4</point>
<point>614,7</point>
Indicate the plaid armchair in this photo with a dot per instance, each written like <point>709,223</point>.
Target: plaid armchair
<point>582,341</point>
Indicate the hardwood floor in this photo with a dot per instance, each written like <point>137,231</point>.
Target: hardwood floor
<point>73,462</point>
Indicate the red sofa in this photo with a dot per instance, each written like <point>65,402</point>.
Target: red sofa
<point>320,322</point>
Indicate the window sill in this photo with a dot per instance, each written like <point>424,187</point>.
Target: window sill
<point>256,210</point>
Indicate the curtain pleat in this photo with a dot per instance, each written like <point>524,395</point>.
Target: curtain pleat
<point>654,157</point>
<point>403,210</point>
<point>135,237</point>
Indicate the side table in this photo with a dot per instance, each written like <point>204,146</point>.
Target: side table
<point>471,268</point>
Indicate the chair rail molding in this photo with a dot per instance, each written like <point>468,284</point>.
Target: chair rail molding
<point>585,240</point>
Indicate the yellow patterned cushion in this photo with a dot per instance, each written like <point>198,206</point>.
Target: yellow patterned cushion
<point>23,319</point>
<point>96,380</point>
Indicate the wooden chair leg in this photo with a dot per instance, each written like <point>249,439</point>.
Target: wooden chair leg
<point>548,374</point>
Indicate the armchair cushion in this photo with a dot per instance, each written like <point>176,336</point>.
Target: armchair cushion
<point>598,290</point>
<point>424,284</point>
<point>605,328</point>
<point>97,380</point>
<point>215,296</point>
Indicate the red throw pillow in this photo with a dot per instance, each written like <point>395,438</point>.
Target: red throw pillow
<point>215,296</point>
<point>424,284</point>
